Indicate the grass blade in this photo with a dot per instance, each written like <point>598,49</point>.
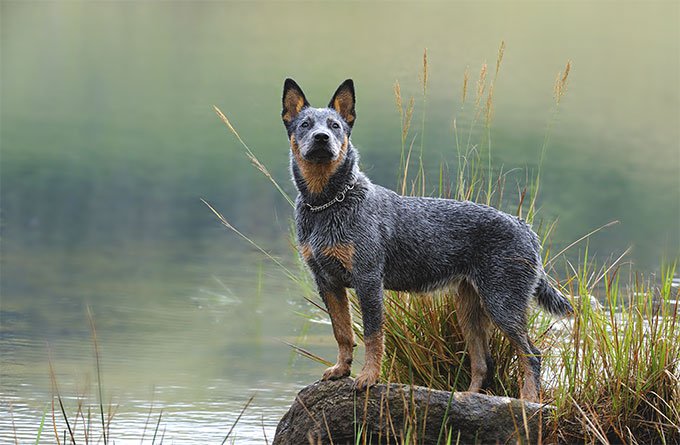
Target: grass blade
<point>238,418</point>
<point>40,428</point>
<point>251,156</point>
<point>228,225</point>
<point>55,387</point>
<point>310,355</point>
<point>90,318</point>
<point>586,236</point>
<point>158,423</point>
<point>148,418</point>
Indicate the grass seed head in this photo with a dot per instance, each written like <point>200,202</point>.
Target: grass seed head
<point>466,79</point>
<point>481,83</point>
<point>561,83</point>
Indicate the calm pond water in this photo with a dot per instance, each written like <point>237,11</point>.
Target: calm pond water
<point>109,141</point>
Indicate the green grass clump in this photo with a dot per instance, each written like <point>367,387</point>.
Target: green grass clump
<point>617,374</point>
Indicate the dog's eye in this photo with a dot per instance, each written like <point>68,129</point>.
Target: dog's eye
<point>305,124</point>
<point>335,125</point>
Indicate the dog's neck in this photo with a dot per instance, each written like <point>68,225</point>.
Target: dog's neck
<point>345,175</point>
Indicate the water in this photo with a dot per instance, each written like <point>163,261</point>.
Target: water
<point>109,141</point>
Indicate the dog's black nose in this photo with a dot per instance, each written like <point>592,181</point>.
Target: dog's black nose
<point>321,137</point>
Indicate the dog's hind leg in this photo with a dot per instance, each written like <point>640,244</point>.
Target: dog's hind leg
<point>475,325</point>
<point>509,314</point>
<point>337,304</point>
<point>530,360</point>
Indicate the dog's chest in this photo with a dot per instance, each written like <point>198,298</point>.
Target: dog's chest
<point>327,246</point>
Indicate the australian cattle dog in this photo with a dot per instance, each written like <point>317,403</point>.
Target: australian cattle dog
<point>355,234</point>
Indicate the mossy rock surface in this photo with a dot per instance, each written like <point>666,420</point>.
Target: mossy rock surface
<point>334,412</point>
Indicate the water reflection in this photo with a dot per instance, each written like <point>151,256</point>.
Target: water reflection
<point>203,421</point>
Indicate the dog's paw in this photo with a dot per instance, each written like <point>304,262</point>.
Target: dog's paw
<point>335,372</point>
<point>366,378</point>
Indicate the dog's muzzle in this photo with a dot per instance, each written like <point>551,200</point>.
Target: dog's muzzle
<point>320,150</point>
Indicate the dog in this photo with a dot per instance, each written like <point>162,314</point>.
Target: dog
<point>352,233</point>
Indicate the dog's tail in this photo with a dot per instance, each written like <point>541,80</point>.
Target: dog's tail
<point>551,299</point>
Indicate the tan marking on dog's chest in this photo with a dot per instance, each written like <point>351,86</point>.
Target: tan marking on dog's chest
<point>306,251</point>
<point>343,252</point>
<point>316,176</point>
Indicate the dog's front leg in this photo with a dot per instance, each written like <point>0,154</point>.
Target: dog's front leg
<point>338,308</point>
<point>371,301</point>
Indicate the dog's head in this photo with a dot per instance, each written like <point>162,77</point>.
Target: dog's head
<point>318,135</point>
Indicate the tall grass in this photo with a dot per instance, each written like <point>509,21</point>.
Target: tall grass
<point>612,371</point>
<point>619,367</point>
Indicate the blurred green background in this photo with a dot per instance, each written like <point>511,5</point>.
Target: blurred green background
<point>109,141</point>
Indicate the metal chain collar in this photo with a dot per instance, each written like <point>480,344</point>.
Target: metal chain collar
<point>338,198</point>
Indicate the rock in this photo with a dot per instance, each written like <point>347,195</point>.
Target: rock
<point>326,412</point>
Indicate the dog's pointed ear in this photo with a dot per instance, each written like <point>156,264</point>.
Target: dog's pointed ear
<point>293,101</point>
<point>343,101</point>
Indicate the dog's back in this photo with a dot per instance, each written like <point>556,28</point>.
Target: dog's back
<point>433,242</point>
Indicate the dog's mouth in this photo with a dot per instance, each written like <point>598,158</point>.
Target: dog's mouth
<point>319,154</point>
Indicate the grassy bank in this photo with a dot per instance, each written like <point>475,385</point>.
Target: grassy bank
<point>612,371</point>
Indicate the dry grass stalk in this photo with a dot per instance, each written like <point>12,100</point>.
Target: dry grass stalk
<point>481,84</point>
<point>405,115</point>
<point>489,99</point>
<point>251,156</point>
<point>408,117</point>
<point>499,58</point>
<point>397,97</point>
<point>227,123</point>
<point>425,72</point>
<point>561,83</point>
<point>466,79</point>
<point>488,109</point>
